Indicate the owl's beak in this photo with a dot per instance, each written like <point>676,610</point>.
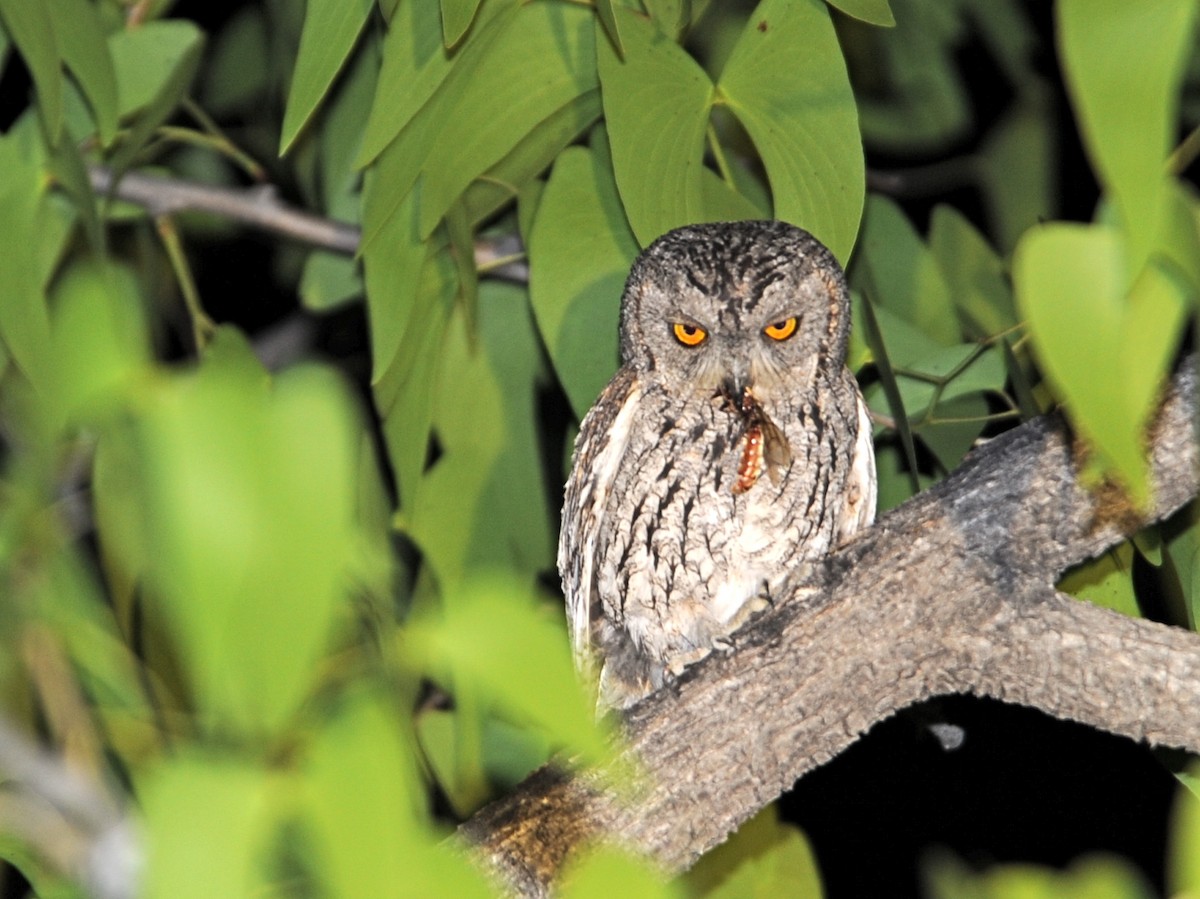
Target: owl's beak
<point>735,384</point>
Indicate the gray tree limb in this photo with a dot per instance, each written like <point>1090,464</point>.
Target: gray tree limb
<point>261,207</point>
<point>953,592</point>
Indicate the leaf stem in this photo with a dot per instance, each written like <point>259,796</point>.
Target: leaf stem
<point>203,327</point>
<point>714,145</point>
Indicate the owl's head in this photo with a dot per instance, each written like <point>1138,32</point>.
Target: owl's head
<point>731,305</point>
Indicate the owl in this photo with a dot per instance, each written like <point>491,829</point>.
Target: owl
<point>731,446</point>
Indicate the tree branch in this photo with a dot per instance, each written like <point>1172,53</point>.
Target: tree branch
<point>950,593</point>
<point>260,207</point>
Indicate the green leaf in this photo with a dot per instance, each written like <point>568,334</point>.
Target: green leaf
<point>537,150</point>
<point>67,167</point>
<point>723,203</point>
<point>249,496</point>
<point>1183,549</point>
<point>31,27</point>
<point>800,112</point>
<point>608,18</point>
<point>84,48</point>
<point>945,374</point>
<point>1106,581</point>
<point>1067,274</point>
<point>873,335</point>
<point>764,857</point>
<point>1184,862</point>
<point>206,822</point>
<point>331,29</point>
<point>404,392</point>
<point>100,337</point>
<point>901,275</point>
<point>974,275</point>
<point>540,64</point>
<point>329,280</point>
<point>1128,114</point>
<point>457,16</point>
<point>484,503</point>
<point>918,103</point>
<point>873,12</point>
<point>235,78</point>
<point>365,805</point>
<point>442,737</point>
<point>1092,877</point>
<point>603,872</point>
<point>68,599</point>
<point>656,105</point>
<point>24,323</point>
<point>1024,140</point>
<point>414,65</point>
<point>580,252</point>
<point>392,263</point>
<point>155,65</point>
<point>493,638</point>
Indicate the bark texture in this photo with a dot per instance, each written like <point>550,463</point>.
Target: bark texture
<point>953,592</point>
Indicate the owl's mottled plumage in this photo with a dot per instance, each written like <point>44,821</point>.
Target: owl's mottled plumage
<point>674,532</point>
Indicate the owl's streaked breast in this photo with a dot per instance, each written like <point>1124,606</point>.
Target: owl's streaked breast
<point>680,568</point>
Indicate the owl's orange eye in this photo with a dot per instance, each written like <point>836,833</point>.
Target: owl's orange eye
<point>781,330</point>
<point>689,335</point>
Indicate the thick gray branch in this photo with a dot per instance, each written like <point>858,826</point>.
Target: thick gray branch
<point>950,593</point>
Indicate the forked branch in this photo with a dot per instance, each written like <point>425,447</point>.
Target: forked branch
<point>950,593</point>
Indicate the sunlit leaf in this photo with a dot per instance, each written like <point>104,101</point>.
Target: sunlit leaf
<point>24,323</point>
<point>207,821</point>
<point>365,803</point>
<point>1092,877</point>
<point>764,857</point>
<point>502,182</point>
<point>1184,860</point>
<point>100,336</point>
<point>492,635</point>
<point>442,736</point>
<point>1067,274</point>
<point>1128,113</point>
<point>608,18</point>
<point>404,392</point>
<point>414,65</point>
<point>248,497</point>
<point>605,872</point>
<point>800,112</point>
<point>1106,581</point>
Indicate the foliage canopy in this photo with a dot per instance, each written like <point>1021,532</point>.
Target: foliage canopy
<point>279,610</point>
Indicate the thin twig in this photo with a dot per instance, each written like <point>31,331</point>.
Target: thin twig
<point>499,256</point>
<point>259,207</point>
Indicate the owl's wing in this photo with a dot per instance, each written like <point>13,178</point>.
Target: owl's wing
<point>859,510</point>
<point>601,444</point>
